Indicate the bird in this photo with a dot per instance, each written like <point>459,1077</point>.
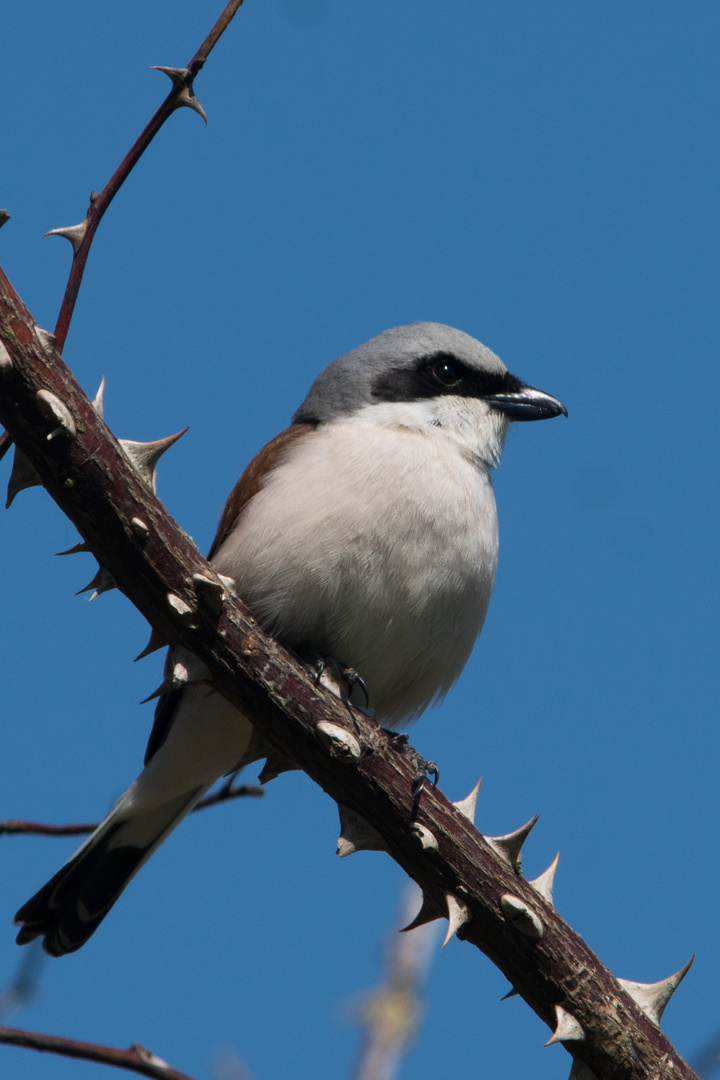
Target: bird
<point>365,533</point>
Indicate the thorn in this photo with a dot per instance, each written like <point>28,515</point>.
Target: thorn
<point>338,741</point>
<point>356,834</point>
<point>75,550</point>
<point>458,915</point>
<point>425,838</point>
<point>210,591</point>
<point>102,582</point>
<point>512,992</point>
<point>467,806</point>
<point>177,76</point>
<point>156,642</point>
<point>164,688</point>
<point>145,456</point>
<point>179,606</point>
<point>187,668</point>
<point>4,218</point>
<point>22,475</point>
<point>429,912</point>
<point>508,847</point>
<point>544,884</point>
<point>567,1029</point>
<point>98,402</point>
<point>186,99</point>
<point>74,233</point>
<point>653,997</point>
<point>56,411</point>
<point>47,343</point>
<point>274,765</point>
<point>139,528</point>
<point>6,363</point>
<point>522,917</point>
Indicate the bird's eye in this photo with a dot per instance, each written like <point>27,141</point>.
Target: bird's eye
<point>445,373</point>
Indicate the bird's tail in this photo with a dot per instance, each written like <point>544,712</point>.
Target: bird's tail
<point>72,905</point>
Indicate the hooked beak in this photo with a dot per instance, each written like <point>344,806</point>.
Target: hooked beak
<point>526,403</point>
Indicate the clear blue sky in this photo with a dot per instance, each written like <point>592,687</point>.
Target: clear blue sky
<point>543,176</point>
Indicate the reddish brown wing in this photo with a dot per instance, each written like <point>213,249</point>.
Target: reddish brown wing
<point>252,478</point>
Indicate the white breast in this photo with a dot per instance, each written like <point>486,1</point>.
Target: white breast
<point>374,545</point>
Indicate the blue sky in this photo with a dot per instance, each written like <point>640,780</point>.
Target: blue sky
<point>543,176</point>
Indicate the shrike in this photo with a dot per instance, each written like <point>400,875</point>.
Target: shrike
<point>365,533</point>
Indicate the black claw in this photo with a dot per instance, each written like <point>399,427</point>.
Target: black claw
<point>352,679</point>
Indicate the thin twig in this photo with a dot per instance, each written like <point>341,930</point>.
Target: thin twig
<point>99,202</point>
<point>136,1059</point>
<point>37,828</point>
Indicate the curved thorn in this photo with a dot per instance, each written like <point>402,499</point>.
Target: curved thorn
<point>186,99</point>
<point>145,456</point>
<point>467,805</point>
<point>458,915</point>
<point>102,582</point>
<point>22,475</point>
<point>545,882</point>
<point>177,76</point>
<point>4,218</point>
<point>75,550</point>
<point>74,233</point>
<point>428,912</point>
<point>356,834</point>
<point>156,642</point>
<point>164,688</point>
<point>653,997</point>
<point>567,1029</point>
<point>508,847</point>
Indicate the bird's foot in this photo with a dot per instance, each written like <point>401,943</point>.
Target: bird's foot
<point>422,770</point>
<point>340,679</point>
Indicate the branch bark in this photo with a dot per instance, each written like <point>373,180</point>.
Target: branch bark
<point>87,473</point>
<point>135,1059</point>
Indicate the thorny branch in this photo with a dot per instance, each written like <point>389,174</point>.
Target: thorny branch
<point>473,882</point>
<point>81,236</point>
<point>11,827</point>
<point>136,1059</point>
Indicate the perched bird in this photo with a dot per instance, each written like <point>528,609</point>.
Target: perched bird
<point>365,533</point>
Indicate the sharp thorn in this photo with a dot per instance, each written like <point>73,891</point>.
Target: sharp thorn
<point>156,642</point>
<point>276,764</point>
<point>467,805</point>
<point>77,549</point>
<point>177,76</point>
<point>22,475</point>
<point>145,456</point>
<point>545,882</point>
<point>4,218</point>
<point>74,233</point>
<point>567,1028</point>
<point>186,99</point>
<point>512,992</point>
<point>653,997</point>
<point>98,402</point>
<point>508,847</point>
<point>356,834</point>
<point>102,582</point>
<point>164,688</point>
<point>458,915</point>
<point>428,912</point>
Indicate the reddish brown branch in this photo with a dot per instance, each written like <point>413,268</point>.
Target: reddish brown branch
<point>99,202</point>
<point>12,827</point>
<point>137,1059</point>
<point>94,483</point>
